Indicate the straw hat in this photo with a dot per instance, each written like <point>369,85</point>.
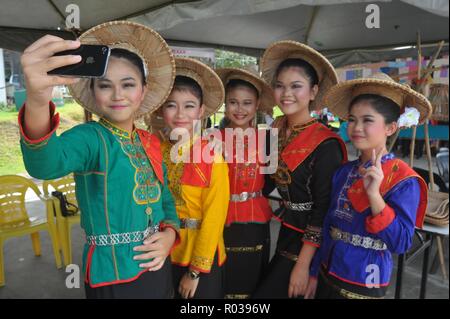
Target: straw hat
<point>339,97</point>
<point>210,83</point>
<point>148,45</point>
<point>267,101</point>
<point>282,50</point>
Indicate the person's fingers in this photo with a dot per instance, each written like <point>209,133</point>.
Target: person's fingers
<point>156,264</point>
<point>41,42</point>
<point>148,255</point>
<point>374,157</point>
<point>59,61</point>
<point>371,175</point>
<point>55,47</point>
<point>153,238</point>
<point>378,160</point>
<point>57,80</point>
<point>375,170</point>
<point>149,247</point>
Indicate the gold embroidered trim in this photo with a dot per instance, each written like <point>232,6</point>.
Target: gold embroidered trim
<point>244,249</point>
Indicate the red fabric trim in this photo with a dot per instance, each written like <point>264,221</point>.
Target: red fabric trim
<point>109,283</point>
<point>152,147</point>
<point>305,143</point>
<point>395,171</point>
<point>353,282</point>
<point>219,262</point>
<point>54,123</point>
<point>293,227</point>
<point>306,242</point>
<point>177,241</point>
<point>375,224</point>
<point>88,263</point>
<point>197,174</point>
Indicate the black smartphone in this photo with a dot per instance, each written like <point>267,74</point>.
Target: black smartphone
<point>94,60</point>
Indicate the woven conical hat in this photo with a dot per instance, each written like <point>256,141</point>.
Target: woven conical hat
<point>148,45</point>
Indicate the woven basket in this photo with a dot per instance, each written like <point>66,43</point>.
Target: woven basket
<point>437,209</point>
<point>439,101</point>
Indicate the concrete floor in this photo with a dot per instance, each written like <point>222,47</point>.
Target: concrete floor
<point>28,276</point>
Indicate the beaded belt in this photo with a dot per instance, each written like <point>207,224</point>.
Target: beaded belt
<point>357,240</point>
<point>121,238</point>
<point>299,207</point>
<point>242,197</point>
<point>190,223</point>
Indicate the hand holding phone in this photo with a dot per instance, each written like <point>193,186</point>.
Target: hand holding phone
<point>93,64</point>
<point>36,60</point>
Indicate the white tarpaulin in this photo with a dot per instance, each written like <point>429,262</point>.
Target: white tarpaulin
<point>247,26</point>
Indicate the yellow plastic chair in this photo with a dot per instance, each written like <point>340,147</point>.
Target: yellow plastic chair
<point>65,185</point>
<point>15,220</point>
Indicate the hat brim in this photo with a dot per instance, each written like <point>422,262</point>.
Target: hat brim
<point>283,50</point>
<point>210,83</point>
<point>339,97</point>
<point>266,100</point>
<point>148,45</point>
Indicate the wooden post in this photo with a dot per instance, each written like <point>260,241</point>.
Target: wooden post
<point>393,140</point>
<point>413,145</point>
<point>430,163</point>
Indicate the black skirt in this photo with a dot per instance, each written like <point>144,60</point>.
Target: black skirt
<point>149,285</point>
<point>210,285</point>
<point>248,249</point>
<point>275,282</point>
<point>329,287</point>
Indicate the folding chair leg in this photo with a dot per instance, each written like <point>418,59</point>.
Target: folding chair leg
<point>62,232</point>
<point>2,269</point>
<point>36,241</point>
<point>440,249</point>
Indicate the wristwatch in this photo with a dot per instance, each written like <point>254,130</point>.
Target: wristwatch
<point>193,274</point>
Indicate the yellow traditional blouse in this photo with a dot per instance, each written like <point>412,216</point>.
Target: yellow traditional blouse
<point>201,193</point>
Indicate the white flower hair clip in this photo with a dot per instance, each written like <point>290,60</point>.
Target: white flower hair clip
<point>409,118</point>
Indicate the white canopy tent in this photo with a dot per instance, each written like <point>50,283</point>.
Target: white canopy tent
<point>335,27</point>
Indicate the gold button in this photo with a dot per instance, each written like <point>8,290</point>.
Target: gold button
<point>148,210</point>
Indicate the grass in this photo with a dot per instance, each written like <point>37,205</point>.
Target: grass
<point>11,161</point>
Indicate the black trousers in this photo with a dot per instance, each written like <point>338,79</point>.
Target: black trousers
<point>210,285</point>
<point>275,282</point>
<point>329,287</point>
<point>248,252</point>
<point>149,285</point>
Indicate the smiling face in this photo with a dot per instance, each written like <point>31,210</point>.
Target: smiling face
<point>293,91</point>
<point>120,93</point>
<point>367,128</point>
<point>240,106</point>
<point>181,109</point>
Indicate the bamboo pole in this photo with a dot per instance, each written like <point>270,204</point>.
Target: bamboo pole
<point>413,145</point>
<point>430,163</point>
